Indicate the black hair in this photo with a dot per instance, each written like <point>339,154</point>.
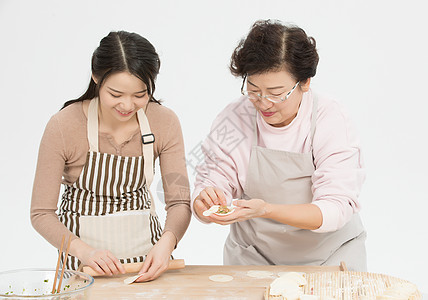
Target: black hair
<point>271,45</point>
<point>122,51</point>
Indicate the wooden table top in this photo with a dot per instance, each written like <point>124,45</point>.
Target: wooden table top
<point>193,282</point>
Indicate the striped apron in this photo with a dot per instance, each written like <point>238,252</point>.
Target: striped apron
<point>110,205</point>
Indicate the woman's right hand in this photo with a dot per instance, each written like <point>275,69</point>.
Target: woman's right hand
<point>208,197</point>
<point>100,260</point>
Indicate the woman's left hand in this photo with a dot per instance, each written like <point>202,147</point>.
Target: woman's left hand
<point>157,259</point>
<point>244,210</point>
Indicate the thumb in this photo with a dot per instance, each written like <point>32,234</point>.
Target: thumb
<point>240,203</point>
<point>146,265</point>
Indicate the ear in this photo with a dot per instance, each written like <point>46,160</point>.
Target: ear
<point>304,86</point>
<point>94,79</point>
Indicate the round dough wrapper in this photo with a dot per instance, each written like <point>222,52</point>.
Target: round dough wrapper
<point>211,210</point>
<point>231,211</point>
<point>221,278</point>
<point>259,274</point>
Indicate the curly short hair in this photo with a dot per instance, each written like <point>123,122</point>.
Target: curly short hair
<point>271,45</point>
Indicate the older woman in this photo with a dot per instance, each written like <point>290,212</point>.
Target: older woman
<point>288,156</point>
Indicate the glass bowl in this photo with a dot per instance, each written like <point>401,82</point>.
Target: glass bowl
<point>37,283</point>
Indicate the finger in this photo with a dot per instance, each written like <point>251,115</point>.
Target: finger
<point>118,265</point>
<point>201,204</point>
<point>238,215</point>
<point>220,196</point>
<point>104,266</point>
<point>207,198</point>
<point>241,203</point>
<point>96,268</point>
<point>147,275</point>
<point>110,265</point>
<point>146,265</point>
<point>159,272</point>
<point>222,220</point>
<point>213,195</point>
<point>159,269</point>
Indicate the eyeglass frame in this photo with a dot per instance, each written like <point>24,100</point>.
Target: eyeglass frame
<point>259,96</point>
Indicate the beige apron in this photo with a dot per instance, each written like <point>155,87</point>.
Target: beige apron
<point>110,205</point>
<point>281,177</point>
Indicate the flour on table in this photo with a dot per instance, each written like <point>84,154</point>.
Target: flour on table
<point>221,278</point>
<point>112,285</point>
<point>259,274</point>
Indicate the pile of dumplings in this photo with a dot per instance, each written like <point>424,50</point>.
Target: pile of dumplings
<point>290,286</point>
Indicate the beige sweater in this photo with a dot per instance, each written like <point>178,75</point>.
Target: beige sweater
<point>62,155</point>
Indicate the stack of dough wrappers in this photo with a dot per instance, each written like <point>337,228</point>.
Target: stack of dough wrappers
<point>340,286</point>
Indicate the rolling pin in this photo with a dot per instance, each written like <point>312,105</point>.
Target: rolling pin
<point>174,264</point>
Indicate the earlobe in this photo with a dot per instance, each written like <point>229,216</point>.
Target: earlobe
<point>94,79</point>
<point>305,85</point>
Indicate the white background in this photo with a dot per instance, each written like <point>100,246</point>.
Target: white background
<point>373,59</point>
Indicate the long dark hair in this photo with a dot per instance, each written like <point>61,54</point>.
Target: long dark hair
<point>122,51</point>
<point>271,45</point>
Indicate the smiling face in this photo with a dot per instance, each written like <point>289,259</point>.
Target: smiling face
<point>276,83</point>
<point>121,96</point>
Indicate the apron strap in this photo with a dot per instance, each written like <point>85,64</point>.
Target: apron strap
<point>314,117</point>
<point>255,134</point>
<point>148,140</point>
<point>93,125</point>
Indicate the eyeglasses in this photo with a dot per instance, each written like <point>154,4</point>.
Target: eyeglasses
<point>254,96</point>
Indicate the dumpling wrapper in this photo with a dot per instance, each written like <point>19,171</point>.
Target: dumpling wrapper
<point>231,211</point>
<point>131,279</point>
<point>259,274</point>
<point>211,210</point>
<point>221,278</point>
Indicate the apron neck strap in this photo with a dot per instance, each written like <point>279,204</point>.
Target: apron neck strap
<point>314,117</point>
<point>148,140</point>
<point>255,134</point>
<point>93,125</point>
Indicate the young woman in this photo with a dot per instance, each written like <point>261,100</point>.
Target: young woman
<point>290,157</point>
<point>102,147</point>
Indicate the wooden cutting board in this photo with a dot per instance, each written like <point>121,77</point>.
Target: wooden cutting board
<point>193,282</point>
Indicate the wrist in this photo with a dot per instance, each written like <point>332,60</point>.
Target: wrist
<point>79,249</point>
<point>267,210</point>
<point>169,239</point>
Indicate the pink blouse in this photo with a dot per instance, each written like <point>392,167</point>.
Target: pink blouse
<point>339,171</point>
